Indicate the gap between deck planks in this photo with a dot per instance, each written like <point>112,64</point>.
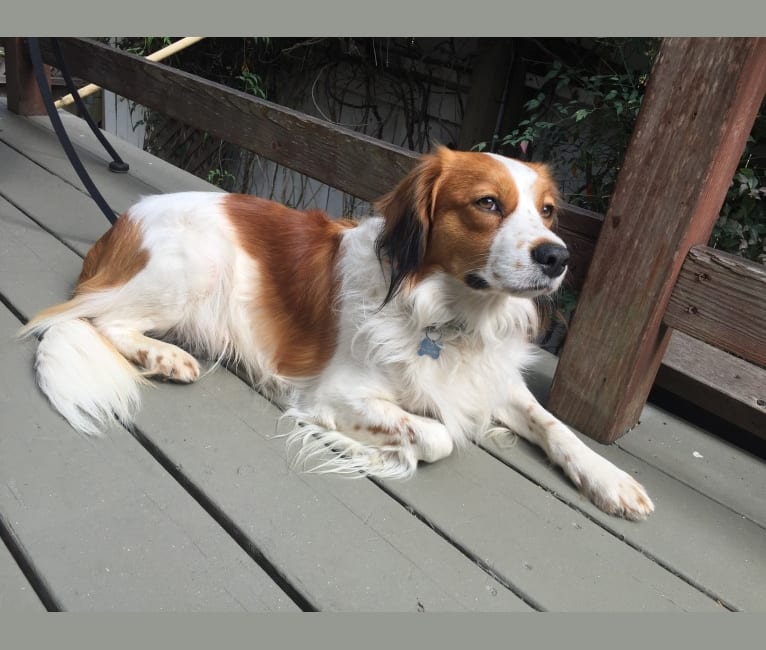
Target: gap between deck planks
<point>437,492</point>
<point>16,593</point>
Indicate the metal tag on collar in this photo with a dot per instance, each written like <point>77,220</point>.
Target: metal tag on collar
<point>430,345</point>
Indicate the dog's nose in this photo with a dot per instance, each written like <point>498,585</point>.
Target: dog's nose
<point>552,258</point>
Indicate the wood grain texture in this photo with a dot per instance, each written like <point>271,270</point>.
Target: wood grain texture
<point>715,381</point>
<point>721,299</point>
<point>699,107</point>
<point>579,229</point>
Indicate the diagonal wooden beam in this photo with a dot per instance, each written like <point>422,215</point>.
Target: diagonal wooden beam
<point>698,111</point>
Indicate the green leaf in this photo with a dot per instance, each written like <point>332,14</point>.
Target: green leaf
<point>532,104</point>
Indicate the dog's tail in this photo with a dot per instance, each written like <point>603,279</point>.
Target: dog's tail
<point>82,374</point>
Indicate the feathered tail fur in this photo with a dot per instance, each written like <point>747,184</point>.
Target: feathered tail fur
<point>82,374</point>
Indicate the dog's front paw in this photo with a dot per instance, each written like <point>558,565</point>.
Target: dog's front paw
<point>170,363</point>
<point>612,490</point>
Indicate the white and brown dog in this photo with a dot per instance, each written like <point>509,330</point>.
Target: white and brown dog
<point>392,340</point>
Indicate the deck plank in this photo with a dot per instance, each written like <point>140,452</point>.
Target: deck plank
<point>20,175</point>
<point>42,146</point>
<point>705,463</point>
<point>716,504</point>
<point>145,167</point>
<point>100,521</point>
<point>538,542</point>
<point>347,544</point>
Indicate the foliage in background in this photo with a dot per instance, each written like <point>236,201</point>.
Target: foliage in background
<point>582,114</point>
<point>236,73</point>
<point>581,119</point>
<point>741,226</point>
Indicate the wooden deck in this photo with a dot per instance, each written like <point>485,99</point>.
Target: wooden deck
<point>197,509</point>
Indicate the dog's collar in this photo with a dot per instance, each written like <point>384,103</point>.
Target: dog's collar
<point>434,335</point>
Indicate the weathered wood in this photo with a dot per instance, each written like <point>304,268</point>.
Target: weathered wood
<point>479,503</point>
<point>709,465</point>
<point>579,228</point>
<point>699,107</point>
<point>731,476</point>
<point>23,93</point>
<point>343,542</point>
<point>352,162</point>
<point>721,299</point>
<point>719,499</point>
<point>715,381</point>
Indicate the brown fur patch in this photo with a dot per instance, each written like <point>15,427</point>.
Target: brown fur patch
<point>296,253</point>
<point>540,241</point>
<point>114,259</point>
<point>409,432</point>
<point>142,356</point>
<point>461,232</point>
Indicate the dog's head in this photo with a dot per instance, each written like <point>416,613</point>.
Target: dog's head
<point>483,218</point>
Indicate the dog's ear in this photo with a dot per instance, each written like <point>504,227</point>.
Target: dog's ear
<point>407,211</point>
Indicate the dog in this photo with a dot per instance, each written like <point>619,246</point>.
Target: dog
<point>389,341</point>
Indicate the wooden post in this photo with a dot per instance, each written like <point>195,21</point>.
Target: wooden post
<point>698,111</point>
<point>491,75</point>
<point>23,93</point>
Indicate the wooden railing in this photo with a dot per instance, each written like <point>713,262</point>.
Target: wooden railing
<point>650,272</point>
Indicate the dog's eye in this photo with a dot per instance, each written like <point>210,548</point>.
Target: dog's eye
<point>548,210</point>
<point>488,203</point>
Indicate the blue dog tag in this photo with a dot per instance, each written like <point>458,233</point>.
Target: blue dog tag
<point>429,347</point>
